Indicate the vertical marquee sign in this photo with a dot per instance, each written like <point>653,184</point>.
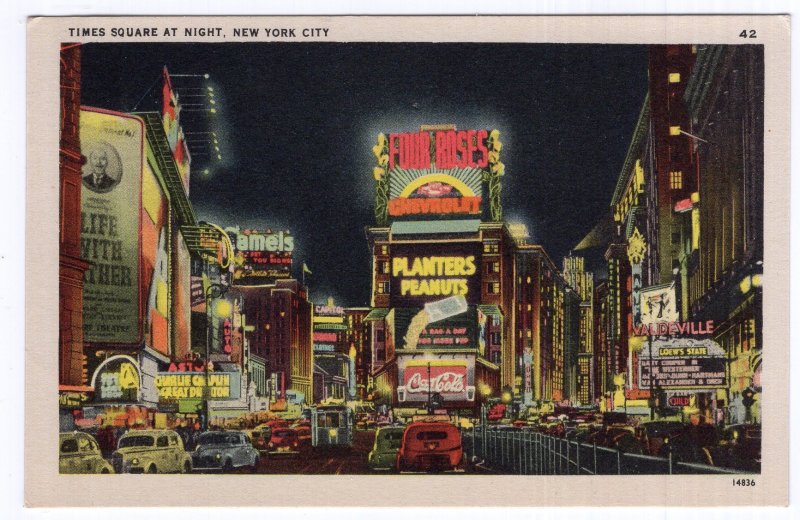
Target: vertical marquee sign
<point>110,225</point>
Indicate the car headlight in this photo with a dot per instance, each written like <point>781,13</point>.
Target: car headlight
<point>135,461</point>
<point>332,432</point>
<point>217,456</point>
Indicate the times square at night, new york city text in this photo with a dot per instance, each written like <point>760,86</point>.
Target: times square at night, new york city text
<point>271,263</point>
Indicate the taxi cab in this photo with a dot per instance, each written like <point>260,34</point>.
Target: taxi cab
<point>151,451</point>
<point>79,453</point>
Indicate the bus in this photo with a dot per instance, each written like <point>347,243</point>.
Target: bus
<point>332,425</point>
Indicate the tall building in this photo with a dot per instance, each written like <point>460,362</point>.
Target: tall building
<point>545,328</point>
<point>721,276</point>
<point>281,315</point>
<point>137,300</point>
<point>438,234</point>
<point>359,349</point>
<point>687,244</point>
<point>582,283</point>
<point>332,362</point>
<point>71,358</point>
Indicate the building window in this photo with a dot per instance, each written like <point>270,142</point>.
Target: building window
<point>384,250</point>
<point>676,180</point>
<point>674,77</point>
<point>380,336</point>
<point>492,267</point>
<point>495,338</point>
<point>530,307</point>
<point>384,267</point>
<point>491,248</point>
<point>493,287</point>
<point>382,287</point>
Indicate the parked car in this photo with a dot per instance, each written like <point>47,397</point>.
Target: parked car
<point>80,453</point>
<point>224,451</point>
<point>693,444</point>
<point>616,436</point>
<point>384,452</point>
<point>260,438</point>
<point>151,451</point>
<point>496,412</point>
<point>284,440</point>
<point>303,434</point>
<point>739,448</point>
<point>430,446</point>
<point>653,434</point>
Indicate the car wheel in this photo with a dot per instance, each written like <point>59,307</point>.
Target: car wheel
<point>104,471</point>
<point>152,469</point>
<point>228,466</point>
<point>187,467</point>
<point>254,466</point>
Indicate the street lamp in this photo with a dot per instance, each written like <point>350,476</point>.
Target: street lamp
<point>213,291</point>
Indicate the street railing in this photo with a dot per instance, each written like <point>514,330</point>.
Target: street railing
<point>527,452</point>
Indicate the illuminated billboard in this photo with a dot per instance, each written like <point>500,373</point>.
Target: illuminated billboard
<point>436,173</point>
<point>682,363</point>
<point>113,144</point>
<point>421,273</point>
<point>453,379</point>
<point>261,257</point>
<point>454,332</point>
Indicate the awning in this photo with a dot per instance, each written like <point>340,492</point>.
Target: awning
<point>376,314</point>
<point>491,310</point>
<point>427,227</point>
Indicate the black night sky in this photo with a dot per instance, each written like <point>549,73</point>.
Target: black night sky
<point>296,123</point>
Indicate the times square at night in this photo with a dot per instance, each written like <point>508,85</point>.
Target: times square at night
<point>362,258</point>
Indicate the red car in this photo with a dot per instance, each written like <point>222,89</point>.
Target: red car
<point>430,446</point>
<point>284,440</point>
<point>303,434</point>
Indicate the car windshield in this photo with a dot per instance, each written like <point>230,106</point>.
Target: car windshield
<point>283,433</point>
<point>391,438</point>
<point>431,435</point>
<point>328,420</point>
<point>217,438</point>
<point>69,446</point>
<point>136,440</point>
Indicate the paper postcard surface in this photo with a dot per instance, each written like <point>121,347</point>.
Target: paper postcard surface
<point>416,256</point>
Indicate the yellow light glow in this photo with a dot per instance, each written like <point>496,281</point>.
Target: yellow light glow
<point>675,130</point>
<point>222,308</point>
<point>213,110</point>
<point>744,285</point>
<point>674,77</point>
<point>756,280</point>
<point>695,228</point>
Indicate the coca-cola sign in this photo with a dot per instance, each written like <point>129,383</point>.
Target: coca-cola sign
<point>448,380</point>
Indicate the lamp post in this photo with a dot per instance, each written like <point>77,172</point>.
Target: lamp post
<point>213,291</point>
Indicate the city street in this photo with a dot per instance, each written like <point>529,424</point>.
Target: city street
<point>323,461</point>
